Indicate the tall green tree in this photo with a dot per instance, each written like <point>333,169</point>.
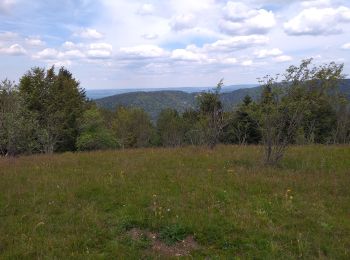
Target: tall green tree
<point>58,103</point>
<point>242,128</point>
<point>211,114</point>
<point>18,126</point>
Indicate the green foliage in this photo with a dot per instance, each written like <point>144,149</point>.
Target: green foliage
<point>132,128</point>
<point>151,102</point>
<point>156,101</point>
<point>18,127</point>
<point>242,127</point>
<point>304,102</point>
<point>94,134</point>
<point>211,114</point>
<point>171,129</point>
<point>173,234</point>
<point>58,103</point>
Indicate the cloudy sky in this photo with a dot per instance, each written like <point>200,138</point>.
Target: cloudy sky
<point>172,43</point>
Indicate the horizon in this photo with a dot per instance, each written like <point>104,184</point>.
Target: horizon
<point>111,45</point>
<point>180,87</point>
<point>102,93</point>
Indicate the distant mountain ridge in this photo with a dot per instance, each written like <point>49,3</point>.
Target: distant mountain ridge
<point>153,102</point>
<point>101,93</point>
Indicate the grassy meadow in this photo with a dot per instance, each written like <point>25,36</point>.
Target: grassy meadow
<point>164,203</point>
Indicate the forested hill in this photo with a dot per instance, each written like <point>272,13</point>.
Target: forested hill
<point>152,102</point>
<point>155,101</point>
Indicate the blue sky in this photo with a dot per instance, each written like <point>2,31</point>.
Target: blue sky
<point>174,43</point>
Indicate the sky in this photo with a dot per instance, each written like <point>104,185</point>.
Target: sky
<point>170,43</point>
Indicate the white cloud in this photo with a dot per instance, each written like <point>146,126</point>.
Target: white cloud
<point>101,46</point>
<point>146,9</point>
<point>59,63</point>
<point>346,46</point>
<point>241,20</point>
<point>46,54</point>
<point>34,41</point>
<point>72,51</point>
<point>14,50</point>
<point>6,5</point>
<point>237,11</point>
<point>150,36</point>
<point>316,3</point>
<point>99,54</point>
<point>71,54</point>
<point>268,53</point>
<point>186,55</point>
<point>7,36</point>
<point>100,51</point>
<point>318,21</point>
<point>182,22</point>
<point>88,33</point>
<point>157,68</point>
<point>143,51</point>
<point>228,61</point>
<point>237,43</point>
<point>247,63</point>
<point>69,45</point>
<point>283,58</point>
<point>220,52</point>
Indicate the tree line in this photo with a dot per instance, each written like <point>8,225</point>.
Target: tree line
<point>49,112</point>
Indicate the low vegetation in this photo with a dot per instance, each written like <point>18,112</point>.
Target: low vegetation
<point>143,203</point>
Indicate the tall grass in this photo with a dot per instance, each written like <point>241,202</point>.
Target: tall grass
<point>82,205</point>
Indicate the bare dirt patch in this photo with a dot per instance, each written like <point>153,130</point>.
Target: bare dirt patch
<point>181,248</point>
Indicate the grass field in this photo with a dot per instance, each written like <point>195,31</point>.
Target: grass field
<point>142,203</point>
